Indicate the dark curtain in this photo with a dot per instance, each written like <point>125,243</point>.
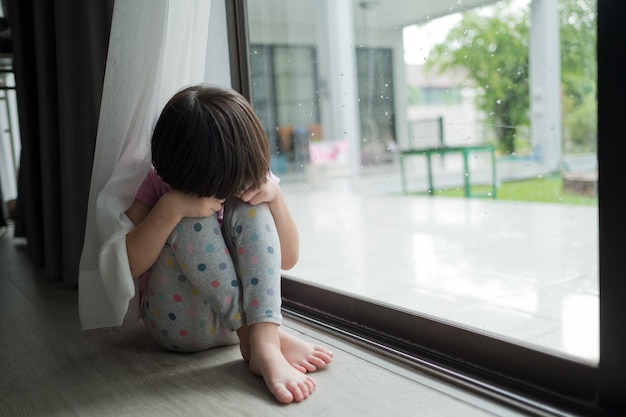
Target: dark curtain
<point>60,49</point>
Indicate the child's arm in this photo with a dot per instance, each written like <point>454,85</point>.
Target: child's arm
<point>153,225</point>
<point>271,193</point>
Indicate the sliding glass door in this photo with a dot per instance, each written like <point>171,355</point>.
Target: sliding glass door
<point>441,161</point>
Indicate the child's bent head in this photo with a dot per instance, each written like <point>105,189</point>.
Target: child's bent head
<point>209,142</point>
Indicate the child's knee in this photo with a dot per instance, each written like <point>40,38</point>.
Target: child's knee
<point>238,212</point>
<point>196,229</point>
<point>194,223</point>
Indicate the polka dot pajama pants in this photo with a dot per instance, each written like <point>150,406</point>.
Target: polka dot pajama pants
<point>210,279</point>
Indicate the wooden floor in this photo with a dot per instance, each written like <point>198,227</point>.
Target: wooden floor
<point>49,367</point>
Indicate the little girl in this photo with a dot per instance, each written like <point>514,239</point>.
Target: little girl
<point>215,232</point>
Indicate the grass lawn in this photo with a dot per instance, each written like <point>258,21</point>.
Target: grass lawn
<point>546,190</point>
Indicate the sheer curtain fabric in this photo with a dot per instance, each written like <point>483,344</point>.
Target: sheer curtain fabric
<point>155,49</point>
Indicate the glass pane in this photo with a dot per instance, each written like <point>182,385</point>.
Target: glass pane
<point>441,157</point>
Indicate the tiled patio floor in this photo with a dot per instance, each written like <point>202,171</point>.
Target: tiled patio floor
<point>526,271</point>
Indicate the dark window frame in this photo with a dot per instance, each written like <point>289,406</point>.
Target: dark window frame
<point>519,375</point>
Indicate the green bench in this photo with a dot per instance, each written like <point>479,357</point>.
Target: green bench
<point>465,151</point>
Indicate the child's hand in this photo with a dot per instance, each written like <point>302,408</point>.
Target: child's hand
<point>266,193</point>
<point>187,205</point>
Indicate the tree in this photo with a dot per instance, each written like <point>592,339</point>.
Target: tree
<point>493,50</point>
<point>579,74</point>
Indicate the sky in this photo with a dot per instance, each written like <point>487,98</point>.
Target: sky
<point>418,40</point>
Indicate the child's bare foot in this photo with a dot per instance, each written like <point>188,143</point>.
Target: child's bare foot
<point>266,359</point>
<point>304,356</point>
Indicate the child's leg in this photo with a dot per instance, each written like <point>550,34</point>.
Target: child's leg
<point>193,278</point>
<point>179,318</point>
<point>200,250</point>
<point>179,305</point>
<point>252,238</point>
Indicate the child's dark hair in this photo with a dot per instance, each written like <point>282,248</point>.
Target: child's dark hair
<point>209,142</point>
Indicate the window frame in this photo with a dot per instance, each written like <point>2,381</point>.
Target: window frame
<point>521,375</point>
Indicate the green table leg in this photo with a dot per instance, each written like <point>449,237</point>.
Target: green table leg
<point>402,170</point>
<point>431,189</point>
<point>466,175</point>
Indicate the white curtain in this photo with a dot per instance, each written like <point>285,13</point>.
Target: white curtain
<point>155,49</point>
<point>9,138</point>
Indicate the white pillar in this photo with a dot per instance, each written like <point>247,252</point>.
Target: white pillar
<point>400,89</point>
<point>338,77</point>
<point>545,83</point>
